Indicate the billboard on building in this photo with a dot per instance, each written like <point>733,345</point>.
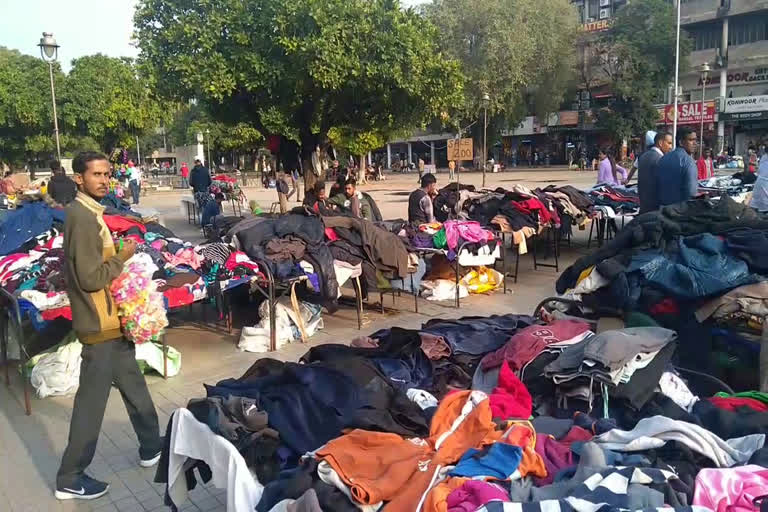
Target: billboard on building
<point>746,104</point>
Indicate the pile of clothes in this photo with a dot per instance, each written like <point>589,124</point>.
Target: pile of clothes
<point>611,202</point>
<point>333,248</point>
<point>520,211</point>
<point>456,416</point>
<point>32,263</point>
<point>227,185</point>
<point>689,266</point>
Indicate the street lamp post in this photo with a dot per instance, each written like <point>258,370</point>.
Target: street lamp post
<point>486,102</point>
<point>49,52</point>
<point>208,143</point>
<point>704,74</point>
<point>677,74</point>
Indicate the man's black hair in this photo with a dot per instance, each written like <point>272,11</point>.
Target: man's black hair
<point>683,132</point>
<point>660,137</point>
<point>219,196</point>
<point>351,181</point>
<point>80,162</point>
<point>55,165</point>
<point>428,179</point>
<point>319,186</point>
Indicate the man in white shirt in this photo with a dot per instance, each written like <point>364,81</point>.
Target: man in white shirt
<point>135,183</point>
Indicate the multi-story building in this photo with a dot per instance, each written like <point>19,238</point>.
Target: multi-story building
<point>731,36</point>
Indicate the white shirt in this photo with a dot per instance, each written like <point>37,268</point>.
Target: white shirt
<point>191,439</point>
<point>135,174</point>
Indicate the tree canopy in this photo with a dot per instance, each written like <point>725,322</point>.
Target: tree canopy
<point>106,99</point>
<point>520,52</point>
<point>26,118</point>
<point>102,104</point>
<point>635,60</point>
<point>298,68</point>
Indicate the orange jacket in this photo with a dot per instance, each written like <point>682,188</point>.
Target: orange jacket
<point>384,467</point>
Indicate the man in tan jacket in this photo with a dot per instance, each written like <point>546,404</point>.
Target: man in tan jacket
<point>91,265</point>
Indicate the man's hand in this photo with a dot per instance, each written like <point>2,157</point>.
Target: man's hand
<point>128,250</point>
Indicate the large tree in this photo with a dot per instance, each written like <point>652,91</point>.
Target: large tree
<point>106,99</point>
<point>635,59</point>
<point>298,68</point>
<point>26,118</point>
<point>519,52</point>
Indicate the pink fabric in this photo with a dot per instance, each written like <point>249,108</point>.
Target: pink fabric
<point>528,343</point>
<point>240,259</point>
<point>730,490</point>
<point>470,231</point>
<point>473,495</point>
<point>8,261</point>
<point>510,399</point>
<point>557,455</point>
<point>186,256</point>
<point>331,235</point>
<point>158,244</point>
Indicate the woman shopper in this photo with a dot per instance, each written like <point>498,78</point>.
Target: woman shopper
<point>608,171</point>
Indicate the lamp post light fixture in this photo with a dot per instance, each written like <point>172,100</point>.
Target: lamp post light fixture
<point>486,101</point>
<point>208,141</point>
<point>704,74</point>
<point>49,52</point>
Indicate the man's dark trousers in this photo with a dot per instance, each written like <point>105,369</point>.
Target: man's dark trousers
<point>103,364</point>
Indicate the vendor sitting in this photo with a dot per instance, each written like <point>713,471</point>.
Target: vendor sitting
<point>317,200</point>
<point>420,207</point>
<point>212,210</point>
<point>353,201</point>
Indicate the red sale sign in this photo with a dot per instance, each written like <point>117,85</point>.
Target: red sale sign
<point>687,113</point>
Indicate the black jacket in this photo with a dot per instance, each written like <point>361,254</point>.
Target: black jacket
<point>200,178</point>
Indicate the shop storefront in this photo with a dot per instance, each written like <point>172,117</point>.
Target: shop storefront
<point>551,140</point>
<point>746,120</point>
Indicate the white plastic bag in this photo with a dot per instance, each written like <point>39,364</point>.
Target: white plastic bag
<point>58,373</point>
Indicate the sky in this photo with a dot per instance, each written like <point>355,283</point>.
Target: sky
<point>81,27</point>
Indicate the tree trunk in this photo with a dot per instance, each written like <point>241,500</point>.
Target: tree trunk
<point>362,178</point>
<point>309,143</point>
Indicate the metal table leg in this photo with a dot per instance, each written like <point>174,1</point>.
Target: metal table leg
<point>165,357</point>
<point>358,301</point>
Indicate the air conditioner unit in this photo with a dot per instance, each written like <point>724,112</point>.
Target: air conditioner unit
<point>605,3</point>
<point>590,20</point>
<point>605,13</point>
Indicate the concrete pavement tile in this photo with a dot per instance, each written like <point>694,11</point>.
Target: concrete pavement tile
<point>120,462</point>
<point>109,507</point>
<point>118,491</point>
<point>210,505</point>
<point>151,502</point>
<point>129,503</point>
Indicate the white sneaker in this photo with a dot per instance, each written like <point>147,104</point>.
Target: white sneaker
<point>148,463</point>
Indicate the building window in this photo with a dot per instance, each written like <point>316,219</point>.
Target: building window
<point>747,29</point>
<point>593,11</point>
<point>706,36</point>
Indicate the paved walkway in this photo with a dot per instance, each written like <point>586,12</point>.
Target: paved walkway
<point>31,446</point>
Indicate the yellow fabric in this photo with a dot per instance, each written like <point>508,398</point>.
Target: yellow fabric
<point>482,280</point>
<point>585,274</point>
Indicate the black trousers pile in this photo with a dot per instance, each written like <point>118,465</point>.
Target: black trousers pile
<point>103,364</point>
